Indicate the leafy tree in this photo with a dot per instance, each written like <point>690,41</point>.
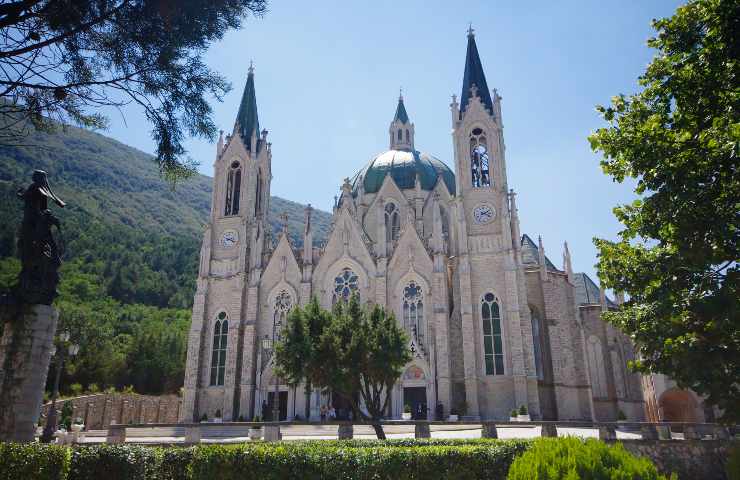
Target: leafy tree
<point>677,256</point>
<point>63,60</point>
<point>354,351</point>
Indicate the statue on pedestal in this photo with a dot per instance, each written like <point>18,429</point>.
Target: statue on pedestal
<point>38,247</point>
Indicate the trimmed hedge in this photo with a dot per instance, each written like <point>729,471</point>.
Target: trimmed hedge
<point>313,461</point>
<point>573,458</point>
<point>561,458</point>
<point>33,461</point>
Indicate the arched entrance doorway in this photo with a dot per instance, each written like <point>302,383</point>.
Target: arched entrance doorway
<point>678,406</point>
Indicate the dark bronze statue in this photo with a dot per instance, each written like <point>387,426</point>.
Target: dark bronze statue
<point>38,246</point>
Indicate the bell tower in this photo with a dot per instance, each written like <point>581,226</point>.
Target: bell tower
<point>491,278</point>
<point>230,268</point>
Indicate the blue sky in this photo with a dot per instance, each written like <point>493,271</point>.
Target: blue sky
<point>327,75</point>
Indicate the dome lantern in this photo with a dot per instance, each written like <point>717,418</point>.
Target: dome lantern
<point>401,130</point>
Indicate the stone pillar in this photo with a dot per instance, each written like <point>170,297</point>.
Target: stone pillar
<point>489,430</point>
<point>116,433</point>
<point>25,353</point>
<point>345,431</point>
<point>607,432</point>
<point>192,434</point>
<point>649,432</point>
<point>421,430</point>
<point>549,430</point>
<point>272,433</point>
<point>690,432</point>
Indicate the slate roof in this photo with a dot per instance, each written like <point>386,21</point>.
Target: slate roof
<point>587,291</point>
<point>246,119</point>
<point>531,255</point>
<point>474,76</point>
<point>401,114</point>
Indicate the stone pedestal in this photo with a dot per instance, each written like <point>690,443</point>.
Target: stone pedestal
<point>489,431</point>
<point>421,430</point>
<point>272,433</point>
<point>25,352</point>
<point>549,430</point>
<point>345,431</point>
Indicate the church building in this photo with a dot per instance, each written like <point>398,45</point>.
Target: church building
<point>493,323</point>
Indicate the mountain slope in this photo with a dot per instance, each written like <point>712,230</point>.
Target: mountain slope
<point>122,213</point>
<point>131,255</point>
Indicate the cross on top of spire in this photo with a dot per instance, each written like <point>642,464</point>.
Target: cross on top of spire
<point>251,67</point>
<point>470,29</point>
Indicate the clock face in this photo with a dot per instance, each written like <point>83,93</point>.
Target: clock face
<point>483,214</point>
<point>229,238</point>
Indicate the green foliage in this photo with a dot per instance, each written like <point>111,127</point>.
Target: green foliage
<point>571,458</point>
<point>733,462</point>
<point>677,255</point>
<point>113,462</point>
<point>523,410</point>
<point>367,342</point>
<point>33,461</point>
<point>334,460</point>
<point>514,413</point>
<point>147,53</point>
<point>65,418</point>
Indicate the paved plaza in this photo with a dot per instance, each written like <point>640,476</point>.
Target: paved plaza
<point>329,432</point>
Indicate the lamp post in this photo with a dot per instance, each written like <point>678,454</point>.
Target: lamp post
<point>58,350</point>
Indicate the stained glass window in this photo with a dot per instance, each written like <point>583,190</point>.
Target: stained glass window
<point>218,352</point>
<point>283,302</point>
<point>493,349</point>
<point>413,310</point>
<point>344,285</point>
<point>392,223</point>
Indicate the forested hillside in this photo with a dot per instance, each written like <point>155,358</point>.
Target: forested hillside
<point>131,253</point>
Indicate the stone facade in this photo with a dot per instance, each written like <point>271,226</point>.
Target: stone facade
<point>98,411</point>
<point>493,323</point>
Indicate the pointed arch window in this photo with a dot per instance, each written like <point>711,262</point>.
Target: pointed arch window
<point>258,194</point>
<point>537,342</point>
<point>218,353</point>
<point>283,303</point>
<point>400,135</point>
<point>479,160</point>
<point>233,187</point>
<point>345,284</point>
<point>413,311</point>
<point>392,223</point>
<point>445,224</point>
<point>408,137</point>
<point>493,348</point>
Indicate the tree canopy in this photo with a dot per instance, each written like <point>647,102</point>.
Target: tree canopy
<point>355,351</point>
<point>63,60</point>
<point>677,256</point>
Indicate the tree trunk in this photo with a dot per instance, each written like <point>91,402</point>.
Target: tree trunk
<point>379,431</point>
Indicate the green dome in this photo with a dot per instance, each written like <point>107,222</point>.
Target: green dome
<point>403,167</point>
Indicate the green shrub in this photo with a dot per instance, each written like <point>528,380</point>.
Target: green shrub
<point>174,463</point>
<point>33,461</point>
<point>341,460</point>
<point>733,463</point>
<point>571,458</point>
<point>523,410</point>
<point>114,462</point>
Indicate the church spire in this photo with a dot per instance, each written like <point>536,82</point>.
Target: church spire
<point>401,130</point>
<point>474,77</point>
<point>247,123</point>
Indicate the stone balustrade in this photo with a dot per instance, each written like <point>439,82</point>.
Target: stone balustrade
<point>193,432</point>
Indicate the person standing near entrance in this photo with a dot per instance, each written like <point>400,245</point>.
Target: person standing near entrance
<point>322,412</point>
<point>332,413</point>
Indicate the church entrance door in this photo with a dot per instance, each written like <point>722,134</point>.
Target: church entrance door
<point>282,404</point>
<point>416,397</point>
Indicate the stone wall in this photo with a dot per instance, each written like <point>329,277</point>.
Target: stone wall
<point>692,459</point>
<point>98,411</point>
